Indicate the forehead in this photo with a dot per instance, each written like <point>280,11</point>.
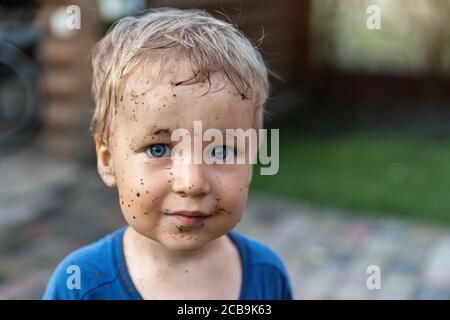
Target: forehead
<point>159,96</point>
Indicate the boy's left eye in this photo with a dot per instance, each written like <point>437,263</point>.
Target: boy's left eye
<point>222,152</point>
<point>158,150</point>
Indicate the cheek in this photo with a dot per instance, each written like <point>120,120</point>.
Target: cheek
<point>231,188</point>
<point>141,189</point>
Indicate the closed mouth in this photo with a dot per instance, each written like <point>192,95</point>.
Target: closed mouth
<point>191,214</point>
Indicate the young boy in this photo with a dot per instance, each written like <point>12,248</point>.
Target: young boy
<point>153,74</point>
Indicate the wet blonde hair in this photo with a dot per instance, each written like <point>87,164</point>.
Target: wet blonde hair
<point>208,44</point>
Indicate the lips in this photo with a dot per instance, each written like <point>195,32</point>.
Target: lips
<point>189,213</point>
<point>189,218</point>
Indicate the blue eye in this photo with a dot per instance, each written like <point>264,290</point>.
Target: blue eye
<point>221,152</point>
<point>158,150</point>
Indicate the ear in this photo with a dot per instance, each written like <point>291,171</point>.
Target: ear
<point>105,164</point>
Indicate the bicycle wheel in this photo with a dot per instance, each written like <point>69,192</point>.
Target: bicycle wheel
<point>20,96</point>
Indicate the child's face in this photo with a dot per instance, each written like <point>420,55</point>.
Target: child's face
<point>150,185</point>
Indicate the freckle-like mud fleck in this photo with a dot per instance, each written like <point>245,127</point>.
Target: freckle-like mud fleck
<point>223,210</point>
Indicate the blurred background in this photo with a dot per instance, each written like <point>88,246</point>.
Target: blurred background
<point>363,115</point>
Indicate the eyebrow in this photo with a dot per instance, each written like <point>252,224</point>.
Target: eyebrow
<point>160,131</point>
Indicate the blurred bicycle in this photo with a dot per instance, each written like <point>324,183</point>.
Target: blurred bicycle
<point>20,93</point>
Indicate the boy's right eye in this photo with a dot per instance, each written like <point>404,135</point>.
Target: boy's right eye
<point>158,150</point>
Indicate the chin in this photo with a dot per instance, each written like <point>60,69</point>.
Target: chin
<point>186,242</point>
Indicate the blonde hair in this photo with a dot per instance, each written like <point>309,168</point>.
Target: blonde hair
<point>208,43</point>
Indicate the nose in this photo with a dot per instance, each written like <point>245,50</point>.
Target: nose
<point>189,179</point>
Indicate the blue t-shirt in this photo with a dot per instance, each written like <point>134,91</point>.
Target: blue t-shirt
<point>103,274</point>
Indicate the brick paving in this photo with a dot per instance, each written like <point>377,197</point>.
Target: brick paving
<point>50,207</point>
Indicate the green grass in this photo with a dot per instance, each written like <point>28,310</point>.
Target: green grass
<point>383,174</point>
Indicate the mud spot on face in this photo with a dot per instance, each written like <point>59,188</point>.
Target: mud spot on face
<point>243,96</point>
<point>223,210</point>
<point>138,194</point>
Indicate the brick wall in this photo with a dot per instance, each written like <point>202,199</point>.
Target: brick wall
<point>66,76</point>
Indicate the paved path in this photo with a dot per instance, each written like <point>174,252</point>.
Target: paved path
<point>49,208</point>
